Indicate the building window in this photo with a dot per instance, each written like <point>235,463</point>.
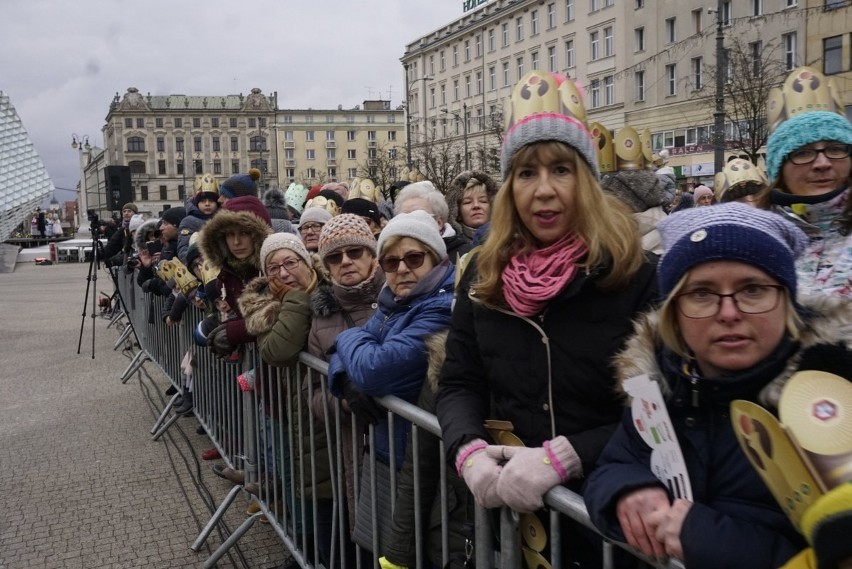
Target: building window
<point>179,144</point>
<point>128,123</point>
<point>671,80</point>
<point>519,28</point>
<point>214,122</point>
<point>492,78</point>
<point>594,5</point>
<point>551,59</point>
<point>534,22</point>
<point>697,77</point>
<point>235,144</point>
<point>569,54</point>
<point>551,15</point>
<point>161,144</point>
<point>467,92</point>
<point>455,89</point>
<point>164,193</point>
<point>696,21</point>
<point>756,51</point>
<point>609,90</point>
<point>309,118</point>
<point>608,45</point>
<point>727,13</point>
<point>671,37</point>
<point>432,98</point>
<point>312,173</point>
<point>467,50</point>
<point>432,64</point>
<point>351,154</point>
<point>594,37</point>
<point>371,135</point>
<point>350,135</point>
<point>479,82</point>
<point>520,66</point>
<point>179,167</point>
<point>196,143</point>
<point>505,32</point>
<point>289,154</point>
<point>178,122</point>
<point>640,4</point>
<point>478,40</point>
<point>639,82</point>
<point>288,135</point>
<point>252,123</point>
<point>834,4</point>
<point>161,167</point>
<point>455,55</point>
<point>310,154</point>
<point>309,136</point>
<point>196,122</point>
<point>136,144</point>
<point>288,119</point>
<point>232,122</point>
<point>199,169</point>
<point>756,7</point>
<point>569,10</point>
<point>534,60</point>
<point>789,43</point>
<point>143,193</point>
<point>217,147</point>
<point>257,143</point>
<point>217,167</point>
<point>140,123</point>
<point>639,39</point>
<point>596,93</point>
<point>331,153</point>
<point>442,60</point>
<point>443,94</point>
<point>832,55</point>
<point>491,40</point>
<point>158,122</point>
<point>353,172</point>
<point>506,79</point>
<point>235,166</point>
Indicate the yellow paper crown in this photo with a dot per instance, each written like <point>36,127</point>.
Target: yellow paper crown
<point>606,149</point>
<point>647,149</point>
<point>206,183</point>
<point>184,279</point>
<point>166,270</point>
<point>628,149</point>
<point>804,90</point>
<point>208,273</point>
<point>735,173</point>
<point>540,92</point>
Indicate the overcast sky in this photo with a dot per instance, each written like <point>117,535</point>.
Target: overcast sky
<point>61,61</point>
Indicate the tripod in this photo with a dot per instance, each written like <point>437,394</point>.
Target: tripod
<point>94,265</point>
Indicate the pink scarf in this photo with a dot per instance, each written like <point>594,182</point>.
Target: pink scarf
<point>531,280</point>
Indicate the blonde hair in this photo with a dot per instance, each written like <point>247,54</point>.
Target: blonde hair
<point>604,224</point>
<point>669,333</point>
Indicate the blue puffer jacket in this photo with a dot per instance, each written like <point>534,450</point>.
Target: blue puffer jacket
<point>387,355</point>
<point>193,222</point>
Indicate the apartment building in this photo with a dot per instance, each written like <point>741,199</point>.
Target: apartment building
<point>645,63</point>
<point>328,145</point>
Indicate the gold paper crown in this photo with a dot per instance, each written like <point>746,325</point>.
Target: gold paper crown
<point>735,173</point>
<point>540,92</point>
<point>805,90</point>
<point>208,273</point>
<point>364,188</point>
<point>606,149</point>
<point>647,150</point>
<point>628,149</point>
<point>166,270</point>
<point>206,183</point>
<point>184,278</point>
<point>327,204</point>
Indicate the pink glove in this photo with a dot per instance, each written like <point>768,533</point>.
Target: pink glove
<point>480,473</point>
<point>531,472</point>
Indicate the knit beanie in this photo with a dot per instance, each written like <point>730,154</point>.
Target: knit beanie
<point>802,129</point>
<point>729,232</point>
<point>345,229</point>
<point>315,215</point>
<point>275,203</point>
<point>827,524</point>
<point>362,207</point>
<point>547,107</point>
<point>192,254</point>
<point>174,215</point>
<point>639,189</point>
<point>240,185</point>
<point>276,242</point>
<point>206,187</point>
<point>250,204</point>
<point>418,225</point>
<point>700,192</point>
<point>313,192</point>
<point>135,221</point>
<point>131,206</point>
<point>295,196</point>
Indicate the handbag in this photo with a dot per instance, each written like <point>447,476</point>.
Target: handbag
<point>363,532</point>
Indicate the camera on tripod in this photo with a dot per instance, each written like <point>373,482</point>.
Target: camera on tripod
<point>94,220</point>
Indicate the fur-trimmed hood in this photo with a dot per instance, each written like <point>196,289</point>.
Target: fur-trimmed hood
<point>828,321</point>
<point>437,352</point>
<point>212,242</point>
<point>456,191</point>
<point>258,307</point>
<point>146,227</point>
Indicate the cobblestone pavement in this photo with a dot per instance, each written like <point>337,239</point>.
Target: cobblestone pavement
<point>83,485</point>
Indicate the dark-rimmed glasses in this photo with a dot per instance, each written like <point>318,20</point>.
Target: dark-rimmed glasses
<point>353,253</point>
<point>289,265</point>
<point>831,151</point>
<point>312,227</point>
<point>413,260</point>
<point>751,299</point>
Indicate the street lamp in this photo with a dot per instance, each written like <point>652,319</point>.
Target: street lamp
<point>463,119</point>
<point>81,143</point>
<point>719,114</point>
<point>408,112</point>
<point>182,153</point>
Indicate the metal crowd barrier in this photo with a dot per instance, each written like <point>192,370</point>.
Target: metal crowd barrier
<point>272,432</point>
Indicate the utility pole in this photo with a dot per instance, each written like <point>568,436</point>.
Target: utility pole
<point>721,71</point>
<point>407,120</point>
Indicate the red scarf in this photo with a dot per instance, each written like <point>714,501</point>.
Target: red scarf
<point>532,279</point>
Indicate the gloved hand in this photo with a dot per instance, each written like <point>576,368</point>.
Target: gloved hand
<point>530,472</point>
<point>218,342</point>
<point>363,406</point>
<point>480,473</point>
<point>278,288</point>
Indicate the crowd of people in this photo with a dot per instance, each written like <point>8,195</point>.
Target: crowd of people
<point>518,312</point>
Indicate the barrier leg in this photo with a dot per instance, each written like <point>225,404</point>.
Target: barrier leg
<point>165,428</point>
<point>116,317</point>
<point>124,335</point>
<point>163,415</point>
<point>138,360</point>
<point>217,515</point>
<point>232,539</point>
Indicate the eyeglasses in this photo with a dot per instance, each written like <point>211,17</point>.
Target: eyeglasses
<point>289,265</point>
<point>312,227</point>
<point>354,253</point>
<point>808,155</point>
<point>751,299</point>
<point>412,259</point>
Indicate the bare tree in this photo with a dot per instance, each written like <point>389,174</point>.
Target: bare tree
<point>382,166</point>
<point>438,159</point>
<point>312,177</point>
<point>749,72</point>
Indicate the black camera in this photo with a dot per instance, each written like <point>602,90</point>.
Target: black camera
<point>93,216</point>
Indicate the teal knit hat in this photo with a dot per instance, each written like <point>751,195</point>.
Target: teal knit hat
<point>802,129</point>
